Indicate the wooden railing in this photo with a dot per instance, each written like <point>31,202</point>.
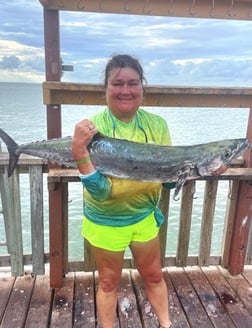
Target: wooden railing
<point>235,241</point>
<point>57,94</point>
<point>11,210</point>
<point>10,196</point>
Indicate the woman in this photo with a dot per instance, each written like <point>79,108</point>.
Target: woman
<point>122,213</point>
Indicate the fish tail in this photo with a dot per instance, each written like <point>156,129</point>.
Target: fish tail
<point>11,146</point>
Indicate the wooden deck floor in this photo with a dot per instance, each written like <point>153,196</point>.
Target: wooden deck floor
<point>198,297</point>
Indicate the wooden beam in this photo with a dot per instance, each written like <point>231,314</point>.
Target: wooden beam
<point>53,68</point>
<point>159,96</point>
<point>37,218</point>
<point>56,197</point>
<point>243,215</point>
<point>221,9</point>
<point>72,175</point>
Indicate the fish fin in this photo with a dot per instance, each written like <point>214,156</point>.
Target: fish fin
<point>11,146</point>
<point>182,178</point>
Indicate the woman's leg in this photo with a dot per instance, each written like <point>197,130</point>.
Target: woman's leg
<point>109,266</point>
<point>148,262</point>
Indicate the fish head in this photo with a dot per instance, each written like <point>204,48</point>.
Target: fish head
<point>217,155</point>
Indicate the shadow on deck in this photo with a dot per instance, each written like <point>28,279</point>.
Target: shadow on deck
<point>198,297</point>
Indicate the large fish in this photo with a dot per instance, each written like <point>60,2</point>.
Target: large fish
<point>136,161</point>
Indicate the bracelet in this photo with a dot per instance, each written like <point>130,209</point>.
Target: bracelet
<point>83,160</point>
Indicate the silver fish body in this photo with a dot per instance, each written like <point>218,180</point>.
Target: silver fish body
<point>136,161</point>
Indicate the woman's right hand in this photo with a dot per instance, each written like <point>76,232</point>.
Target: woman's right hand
<point>83,134</point>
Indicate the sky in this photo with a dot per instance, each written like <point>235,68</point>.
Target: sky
<point>173,51</point>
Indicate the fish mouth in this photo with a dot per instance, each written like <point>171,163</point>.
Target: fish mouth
<point>222,168</point>
<point>213,168</point>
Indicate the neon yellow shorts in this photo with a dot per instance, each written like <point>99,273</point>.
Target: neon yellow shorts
<point>119,238</point>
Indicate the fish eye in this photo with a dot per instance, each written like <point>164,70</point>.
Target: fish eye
<point>227,154</point>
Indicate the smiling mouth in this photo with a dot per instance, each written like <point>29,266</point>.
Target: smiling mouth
<point>125,99</point>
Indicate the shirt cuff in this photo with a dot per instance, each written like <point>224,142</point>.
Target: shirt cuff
<point>97,184</point>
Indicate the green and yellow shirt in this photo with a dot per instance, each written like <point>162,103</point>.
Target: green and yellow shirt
<point>121,202</point>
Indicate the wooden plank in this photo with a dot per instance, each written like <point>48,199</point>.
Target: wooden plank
<point>185,224</point>
<point>39,310</point>
<point>229,222</point>
<point>164,207</point>
<point>183,8</point>
<point>179,90</point>
<point>63,304</point>
<point>58,200</point>
<point>177,314</point>
<point>24,159</point>
<point>127,305</point>
<point>27,259</point>
<point>128,263</point>
<point>16,235</point>
<point>207,222</point>
<point>15,314</point>
<point>160,96</point>
<point>148,317</point>
<point>195,313</point>
<point>241,287</point>
<point>241,229</point>
<point>234,306</point>
<point>72,175</point>
<point>243,214</point>
<point>10,195</point>
<point>64,195</point>
<point>84,296</point>
<point>5,291</point>
<point>28,303</point>
<point>209,299</point>
<point>56,205</point>
<point>37,219</point>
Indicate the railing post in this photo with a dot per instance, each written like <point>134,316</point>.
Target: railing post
<point>243,215</point>
<point>164,207</point>
<point>58,230</point>
<point>10,194</point>
<point>229,222</point>
<point>53,73</point>
<point>207,222</point>
<point>185,224</point>
<point>37,218</point>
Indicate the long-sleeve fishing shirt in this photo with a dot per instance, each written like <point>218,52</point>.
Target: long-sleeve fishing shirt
<point>121,202</point>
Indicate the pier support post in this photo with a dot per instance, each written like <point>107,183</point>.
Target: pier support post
<point>53,73</point>
<point>243,216</point>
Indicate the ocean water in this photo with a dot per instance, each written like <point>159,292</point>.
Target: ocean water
<point>23,116</point>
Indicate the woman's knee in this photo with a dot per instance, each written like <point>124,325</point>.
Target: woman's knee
<point>108,284</point>
<point>152,277</point>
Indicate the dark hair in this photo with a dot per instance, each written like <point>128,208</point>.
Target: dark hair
<point>122,61</point>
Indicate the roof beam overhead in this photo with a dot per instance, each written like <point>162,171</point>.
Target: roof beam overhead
<point>216,9</point>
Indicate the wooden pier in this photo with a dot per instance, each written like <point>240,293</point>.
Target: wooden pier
<point>205,290</point>
<point>198,297</point>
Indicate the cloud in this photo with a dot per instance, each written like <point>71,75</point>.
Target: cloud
<point>9,62</point>
<point>20,61</point>
<point>173,50</point>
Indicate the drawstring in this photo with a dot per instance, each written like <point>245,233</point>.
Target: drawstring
<point>139,125</point>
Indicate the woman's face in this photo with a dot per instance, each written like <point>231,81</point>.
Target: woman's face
<point>124,93</point>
